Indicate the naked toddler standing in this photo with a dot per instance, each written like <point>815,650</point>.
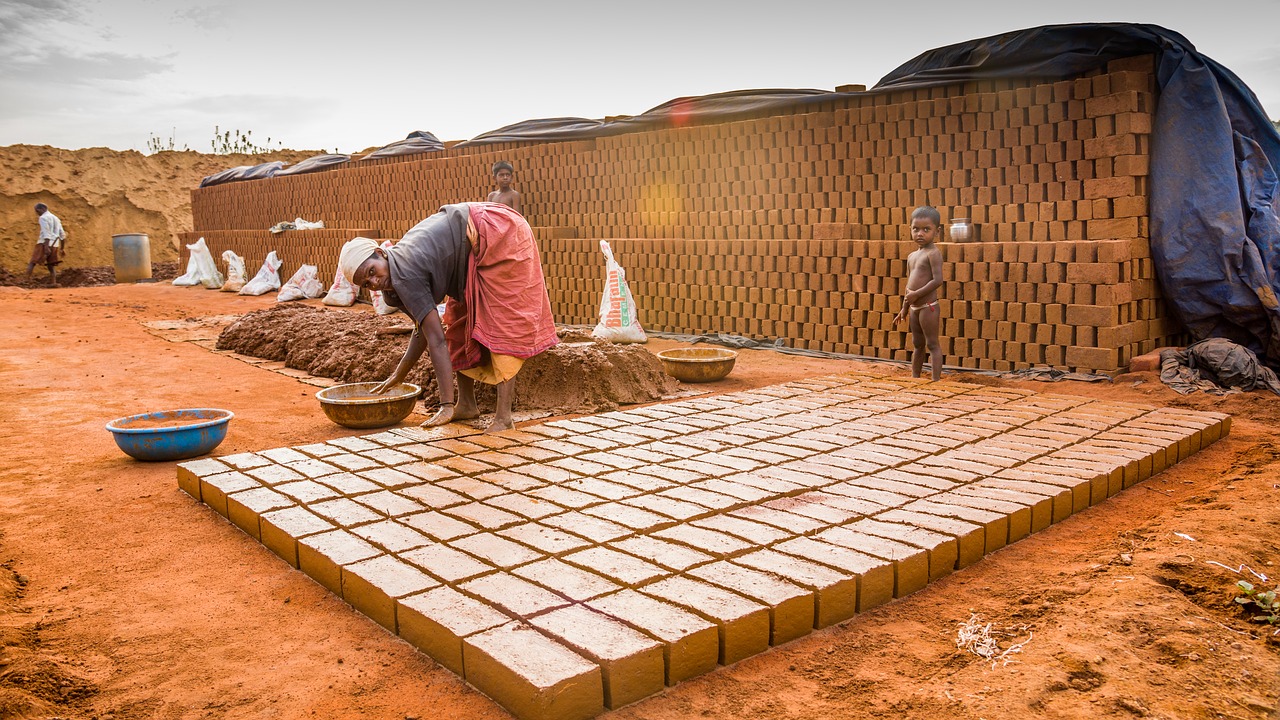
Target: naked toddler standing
<point>924,276</point>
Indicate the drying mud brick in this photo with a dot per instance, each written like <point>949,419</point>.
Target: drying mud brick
<point>245,508</point>
<point>744,624</point>
<point>587,563</point>
<point>791,608</point>
<point>532,676</point>
<point>875,576</point>
<point>190,472</point>
<point>281,530</point>
<point>631,664</point>
<point>690,644</point>
<point>835,594</point>
<point>214,489</point>
<point>322,556</point>
<point>436,621</point>
<point>372,586</point>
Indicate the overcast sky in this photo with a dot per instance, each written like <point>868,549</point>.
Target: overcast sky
<point>326,74</point>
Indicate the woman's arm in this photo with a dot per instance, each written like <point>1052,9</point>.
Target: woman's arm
<point>441,363</point>
<point>411,356</point>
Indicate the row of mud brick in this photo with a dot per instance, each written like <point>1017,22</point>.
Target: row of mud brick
<point>1084,306</point>
<point>584,564</point>
<point>1066,160</point>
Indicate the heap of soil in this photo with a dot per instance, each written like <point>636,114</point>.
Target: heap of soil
<point>354,346</point>
<point>83,276</point>
<point>99,192</point>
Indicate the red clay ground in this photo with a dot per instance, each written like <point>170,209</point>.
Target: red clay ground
<point>121,597</point>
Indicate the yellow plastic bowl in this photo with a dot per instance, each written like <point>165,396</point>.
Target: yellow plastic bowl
<point>697,365</point>
<point>353,406</point>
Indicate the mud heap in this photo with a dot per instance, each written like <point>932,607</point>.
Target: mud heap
<point>576,376</point>
<point>82,276</point>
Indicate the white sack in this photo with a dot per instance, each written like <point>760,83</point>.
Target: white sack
<point>201,269</point>
<point>303,285</point>
<point>235,271</point>
<point>267,279</point>
<point>342,293</point>
<point>619,322</point>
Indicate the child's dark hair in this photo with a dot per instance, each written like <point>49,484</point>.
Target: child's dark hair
<point>927,212</point>
<point>502,165</point>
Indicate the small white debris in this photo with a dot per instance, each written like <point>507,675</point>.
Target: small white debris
<point>981,640</point>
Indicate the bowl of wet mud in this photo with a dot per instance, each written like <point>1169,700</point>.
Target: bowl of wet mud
<point>698,365</point>
<point>354,406</point>
<point>171,434</point>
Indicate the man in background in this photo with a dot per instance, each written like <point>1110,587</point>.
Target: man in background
<point>49,249</point>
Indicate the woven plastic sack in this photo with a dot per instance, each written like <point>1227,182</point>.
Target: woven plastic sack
<point>267,279</point>
<point>201,269</point>
<point>341,293</point>
<point>618,319</point>
<point>304,284</point>
<point>235,271</point>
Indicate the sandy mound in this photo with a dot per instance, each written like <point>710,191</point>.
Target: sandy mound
<point>353,346</point>
<point>99,192</point>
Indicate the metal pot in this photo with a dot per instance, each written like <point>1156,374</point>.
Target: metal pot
<point>961,230</point>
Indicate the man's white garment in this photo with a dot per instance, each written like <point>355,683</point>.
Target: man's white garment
<point>51,232</point>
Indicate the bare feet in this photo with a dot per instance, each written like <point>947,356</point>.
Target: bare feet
<point>443,416</point>
<point>466,410</point>
<point>500,425</point>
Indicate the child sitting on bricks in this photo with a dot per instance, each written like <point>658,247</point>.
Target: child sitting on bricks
<point>503,174</point>
<point>924,276</point>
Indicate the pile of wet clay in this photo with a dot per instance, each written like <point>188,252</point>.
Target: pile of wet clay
<point>576,376</point>
<point>82,276</point>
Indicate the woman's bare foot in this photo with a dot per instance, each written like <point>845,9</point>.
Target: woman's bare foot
<point>443,416</point>
<point>466,410</point>
<point>500,425</point>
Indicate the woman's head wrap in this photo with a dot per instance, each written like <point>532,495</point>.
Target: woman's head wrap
<point>353,255</point>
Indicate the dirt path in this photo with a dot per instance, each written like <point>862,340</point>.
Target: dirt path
<point>120,597</point>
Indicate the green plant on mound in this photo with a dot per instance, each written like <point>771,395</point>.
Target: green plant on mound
<point>234,142</point>
<point>1262,603</point>
<point>157,144</point>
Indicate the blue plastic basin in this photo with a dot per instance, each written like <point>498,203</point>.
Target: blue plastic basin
<point>171,434</point>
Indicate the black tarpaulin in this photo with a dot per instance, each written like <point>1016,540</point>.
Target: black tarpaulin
<point>314,164</point>
<point>418,141</point>
<point>243,172</point>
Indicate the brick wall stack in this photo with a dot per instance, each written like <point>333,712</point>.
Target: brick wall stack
<point>794,225</point>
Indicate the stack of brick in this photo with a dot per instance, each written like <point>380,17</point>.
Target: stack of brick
<point>793,225</point>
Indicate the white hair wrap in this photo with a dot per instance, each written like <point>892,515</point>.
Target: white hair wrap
<point>353,255</point>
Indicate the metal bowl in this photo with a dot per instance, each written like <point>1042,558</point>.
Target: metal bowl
<point>353,406</point>
<point>171,434</point>
<point>695,365</point>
